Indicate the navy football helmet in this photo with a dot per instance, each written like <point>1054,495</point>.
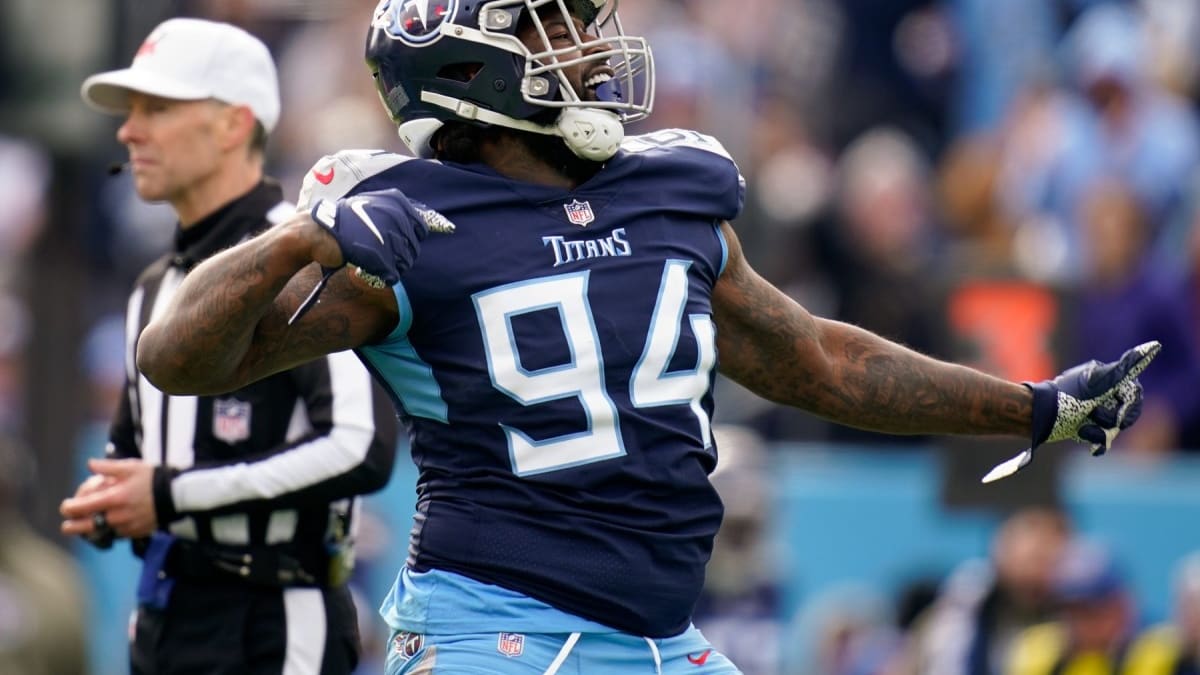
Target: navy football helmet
<point>439,60</point>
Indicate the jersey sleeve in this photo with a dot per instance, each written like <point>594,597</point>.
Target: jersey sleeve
<point>693,172</point>
<point>337,175</point>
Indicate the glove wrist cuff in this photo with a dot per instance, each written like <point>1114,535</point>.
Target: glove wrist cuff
<point>1045,411</point>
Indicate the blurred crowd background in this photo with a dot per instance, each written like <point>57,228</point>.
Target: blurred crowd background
<point>1014,184</point>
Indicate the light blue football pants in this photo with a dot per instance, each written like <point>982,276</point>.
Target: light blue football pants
<point>688,653</point>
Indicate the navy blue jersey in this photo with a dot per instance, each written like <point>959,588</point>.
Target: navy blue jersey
<point>555,359</point>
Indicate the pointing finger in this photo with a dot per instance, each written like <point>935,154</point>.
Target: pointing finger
<point>1104,378</point>
<point>1135,360</point>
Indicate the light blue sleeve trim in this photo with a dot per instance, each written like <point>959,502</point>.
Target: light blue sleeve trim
<point>406,313</point>
<point>409,377</point>
<point>724,248</point>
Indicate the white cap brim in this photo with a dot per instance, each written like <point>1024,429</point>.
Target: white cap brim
<point>109,92</point>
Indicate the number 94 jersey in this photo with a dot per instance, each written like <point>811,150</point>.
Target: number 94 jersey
<point>555,359</point>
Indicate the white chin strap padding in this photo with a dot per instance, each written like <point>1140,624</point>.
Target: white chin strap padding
<point>416,135</point>
<point>591,133</point>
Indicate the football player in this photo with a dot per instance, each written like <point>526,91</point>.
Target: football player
<point>546,299</point>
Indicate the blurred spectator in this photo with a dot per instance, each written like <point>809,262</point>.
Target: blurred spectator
<point>14,335</point>
<point>25,175</point>
<point>48,47</point>
<point>979,229</point>
<point>1001,47</point>
<point>1173,647</point>
<point>845,630</point>
<point>1045,139</point>
<point>1121,279</point>
<point>740,609</point>
<point>1173,28</point>
<point>1186,590</point>
<point>1096,619</point>
<point>24,179</point>
<point>885,231</point>
<point>893,70</point>
<point>1111,120</point>
<point>41,625</point>
<point>1142,134</point>
<point>983,605</point>
<point>791,187</point>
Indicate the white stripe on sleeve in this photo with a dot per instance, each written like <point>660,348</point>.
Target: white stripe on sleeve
<point>307,464</point>
<point>181,431</point>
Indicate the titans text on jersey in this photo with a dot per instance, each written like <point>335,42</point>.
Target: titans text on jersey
<point>591,493</point>
<point>569,250</point>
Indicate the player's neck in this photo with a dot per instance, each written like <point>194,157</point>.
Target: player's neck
<point>542,160</point>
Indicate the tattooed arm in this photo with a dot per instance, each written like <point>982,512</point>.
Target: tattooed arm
<point>773,346</point>
<point>227,325</point>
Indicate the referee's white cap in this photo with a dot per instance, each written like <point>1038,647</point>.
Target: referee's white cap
<point>194,59</point>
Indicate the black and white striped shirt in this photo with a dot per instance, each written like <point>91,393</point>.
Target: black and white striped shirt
<point>268,464</point>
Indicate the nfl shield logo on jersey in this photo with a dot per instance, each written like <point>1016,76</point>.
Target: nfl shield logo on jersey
<point>231,420</point>
<point>579,212</point>
<point>511,644</point>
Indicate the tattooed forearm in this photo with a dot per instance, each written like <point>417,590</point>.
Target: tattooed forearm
<point>773,346</point>
<point>332,325</point>
<point>202,339</point>
<point>875,384</point>
<point>228,324</point>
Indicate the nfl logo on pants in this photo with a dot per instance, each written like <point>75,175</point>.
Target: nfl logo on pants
<point>511,644</point>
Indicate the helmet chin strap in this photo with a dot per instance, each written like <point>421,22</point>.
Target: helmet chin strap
<point>591,133</point>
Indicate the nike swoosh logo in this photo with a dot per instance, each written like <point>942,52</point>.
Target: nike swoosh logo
<point>699,660</point>
<point>356,205</point>
<point>324,178</point>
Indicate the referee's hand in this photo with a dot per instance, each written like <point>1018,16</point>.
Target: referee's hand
<point>123,494</point>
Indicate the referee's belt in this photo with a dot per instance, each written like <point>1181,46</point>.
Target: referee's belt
<point>260,566</point>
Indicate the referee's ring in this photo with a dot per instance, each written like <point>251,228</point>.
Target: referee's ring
<point>100,521</point>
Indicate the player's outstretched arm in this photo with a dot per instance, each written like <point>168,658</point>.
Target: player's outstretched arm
<point>228,324</point>
<point>772,345</point>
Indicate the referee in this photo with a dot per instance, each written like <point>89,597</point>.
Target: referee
<point>241,505</point>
